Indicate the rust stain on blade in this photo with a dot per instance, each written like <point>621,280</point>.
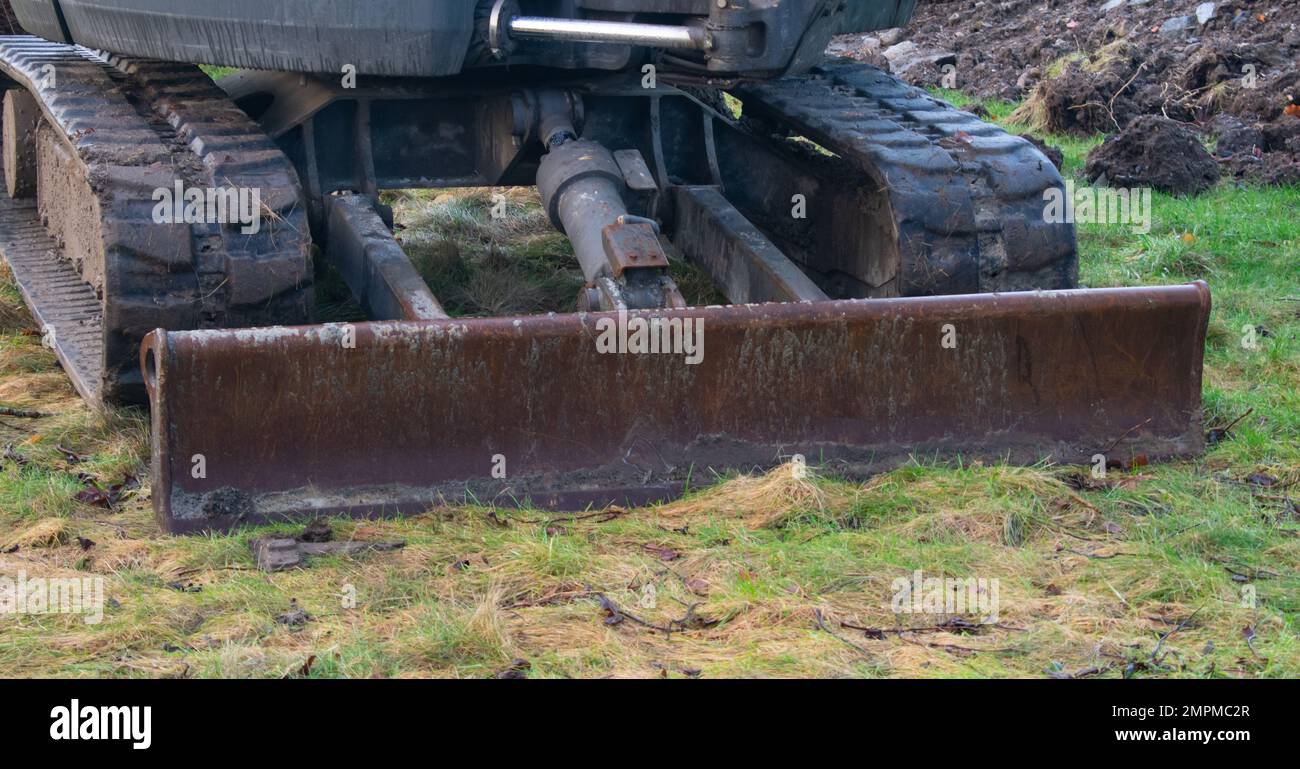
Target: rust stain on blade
<point>391,417</point>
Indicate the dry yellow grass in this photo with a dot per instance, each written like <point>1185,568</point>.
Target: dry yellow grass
<point>764,501</point>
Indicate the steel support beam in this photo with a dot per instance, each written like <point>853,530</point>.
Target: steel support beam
<point>743,263</point>
<point>373,265</point>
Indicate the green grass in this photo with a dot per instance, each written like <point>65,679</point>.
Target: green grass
<point>216,73</point>
<point>1088,579</point>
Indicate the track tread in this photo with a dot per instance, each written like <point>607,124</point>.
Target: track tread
<point>966,195</point>
<point>138,125</point>
<point>55,292</point>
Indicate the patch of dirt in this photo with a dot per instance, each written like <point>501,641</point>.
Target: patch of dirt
<point>1154,152</point>
<point>1096,66</point>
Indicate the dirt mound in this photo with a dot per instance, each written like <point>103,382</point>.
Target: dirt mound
<point>1154,152</point>
<point>1095,66</point>
<point>1088,95</point>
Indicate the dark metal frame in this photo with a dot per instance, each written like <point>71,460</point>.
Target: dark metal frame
<point>350,143</point>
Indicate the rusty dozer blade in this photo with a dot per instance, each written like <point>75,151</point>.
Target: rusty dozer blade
<point>562,411</point>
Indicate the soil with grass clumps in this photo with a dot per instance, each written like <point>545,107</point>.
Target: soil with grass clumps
<point>1154,152</point>
<point>1228,70</point>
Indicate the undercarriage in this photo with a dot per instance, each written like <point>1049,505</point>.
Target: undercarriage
<point>893,286</point>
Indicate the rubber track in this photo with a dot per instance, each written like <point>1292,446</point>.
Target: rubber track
<point>967,197</point>
<point>137,126</point>
<point>59,298</point>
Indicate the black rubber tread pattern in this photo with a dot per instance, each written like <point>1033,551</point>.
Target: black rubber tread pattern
<point>137,126</point>
<point>967,197</point>
<point>59,298</point>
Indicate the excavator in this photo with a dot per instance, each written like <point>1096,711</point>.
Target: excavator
<point>893,289</point>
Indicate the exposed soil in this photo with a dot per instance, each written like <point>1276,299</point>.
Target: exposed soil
<point>1230,70</point>
<point>1156,152</point>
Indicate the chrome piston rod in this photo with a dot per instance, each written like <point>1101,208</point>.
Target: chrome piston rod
<point>595,31</point>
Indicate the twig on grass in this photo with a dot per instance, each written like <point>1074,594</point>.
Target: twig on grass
<point>10,411</point>
<point>1166,636</point>
<point>821,623</point>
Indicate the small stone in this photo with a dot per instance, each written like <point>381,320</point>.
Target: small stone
<point>1028,78</point>
<point>1111,5</point>
<point>900,50</point>
<point>1205,12</point>
<point>890,37</point>
<point>1177,26</point>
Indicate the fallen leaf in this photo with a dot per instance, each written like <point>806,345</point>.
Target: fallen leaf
<point>663,553</point>
<point>94,496</point>
<point>11,455</point>
<point>518,669</point>
<point>69,455</point>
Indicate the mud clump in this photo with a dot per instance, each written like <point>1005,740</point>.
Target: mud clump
<point>226,501</point>
<point>1087,95</point>
<point>1154,152</point>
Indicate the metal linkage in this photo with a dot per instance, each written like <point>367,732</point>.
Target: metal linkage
<point>582,187</point>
